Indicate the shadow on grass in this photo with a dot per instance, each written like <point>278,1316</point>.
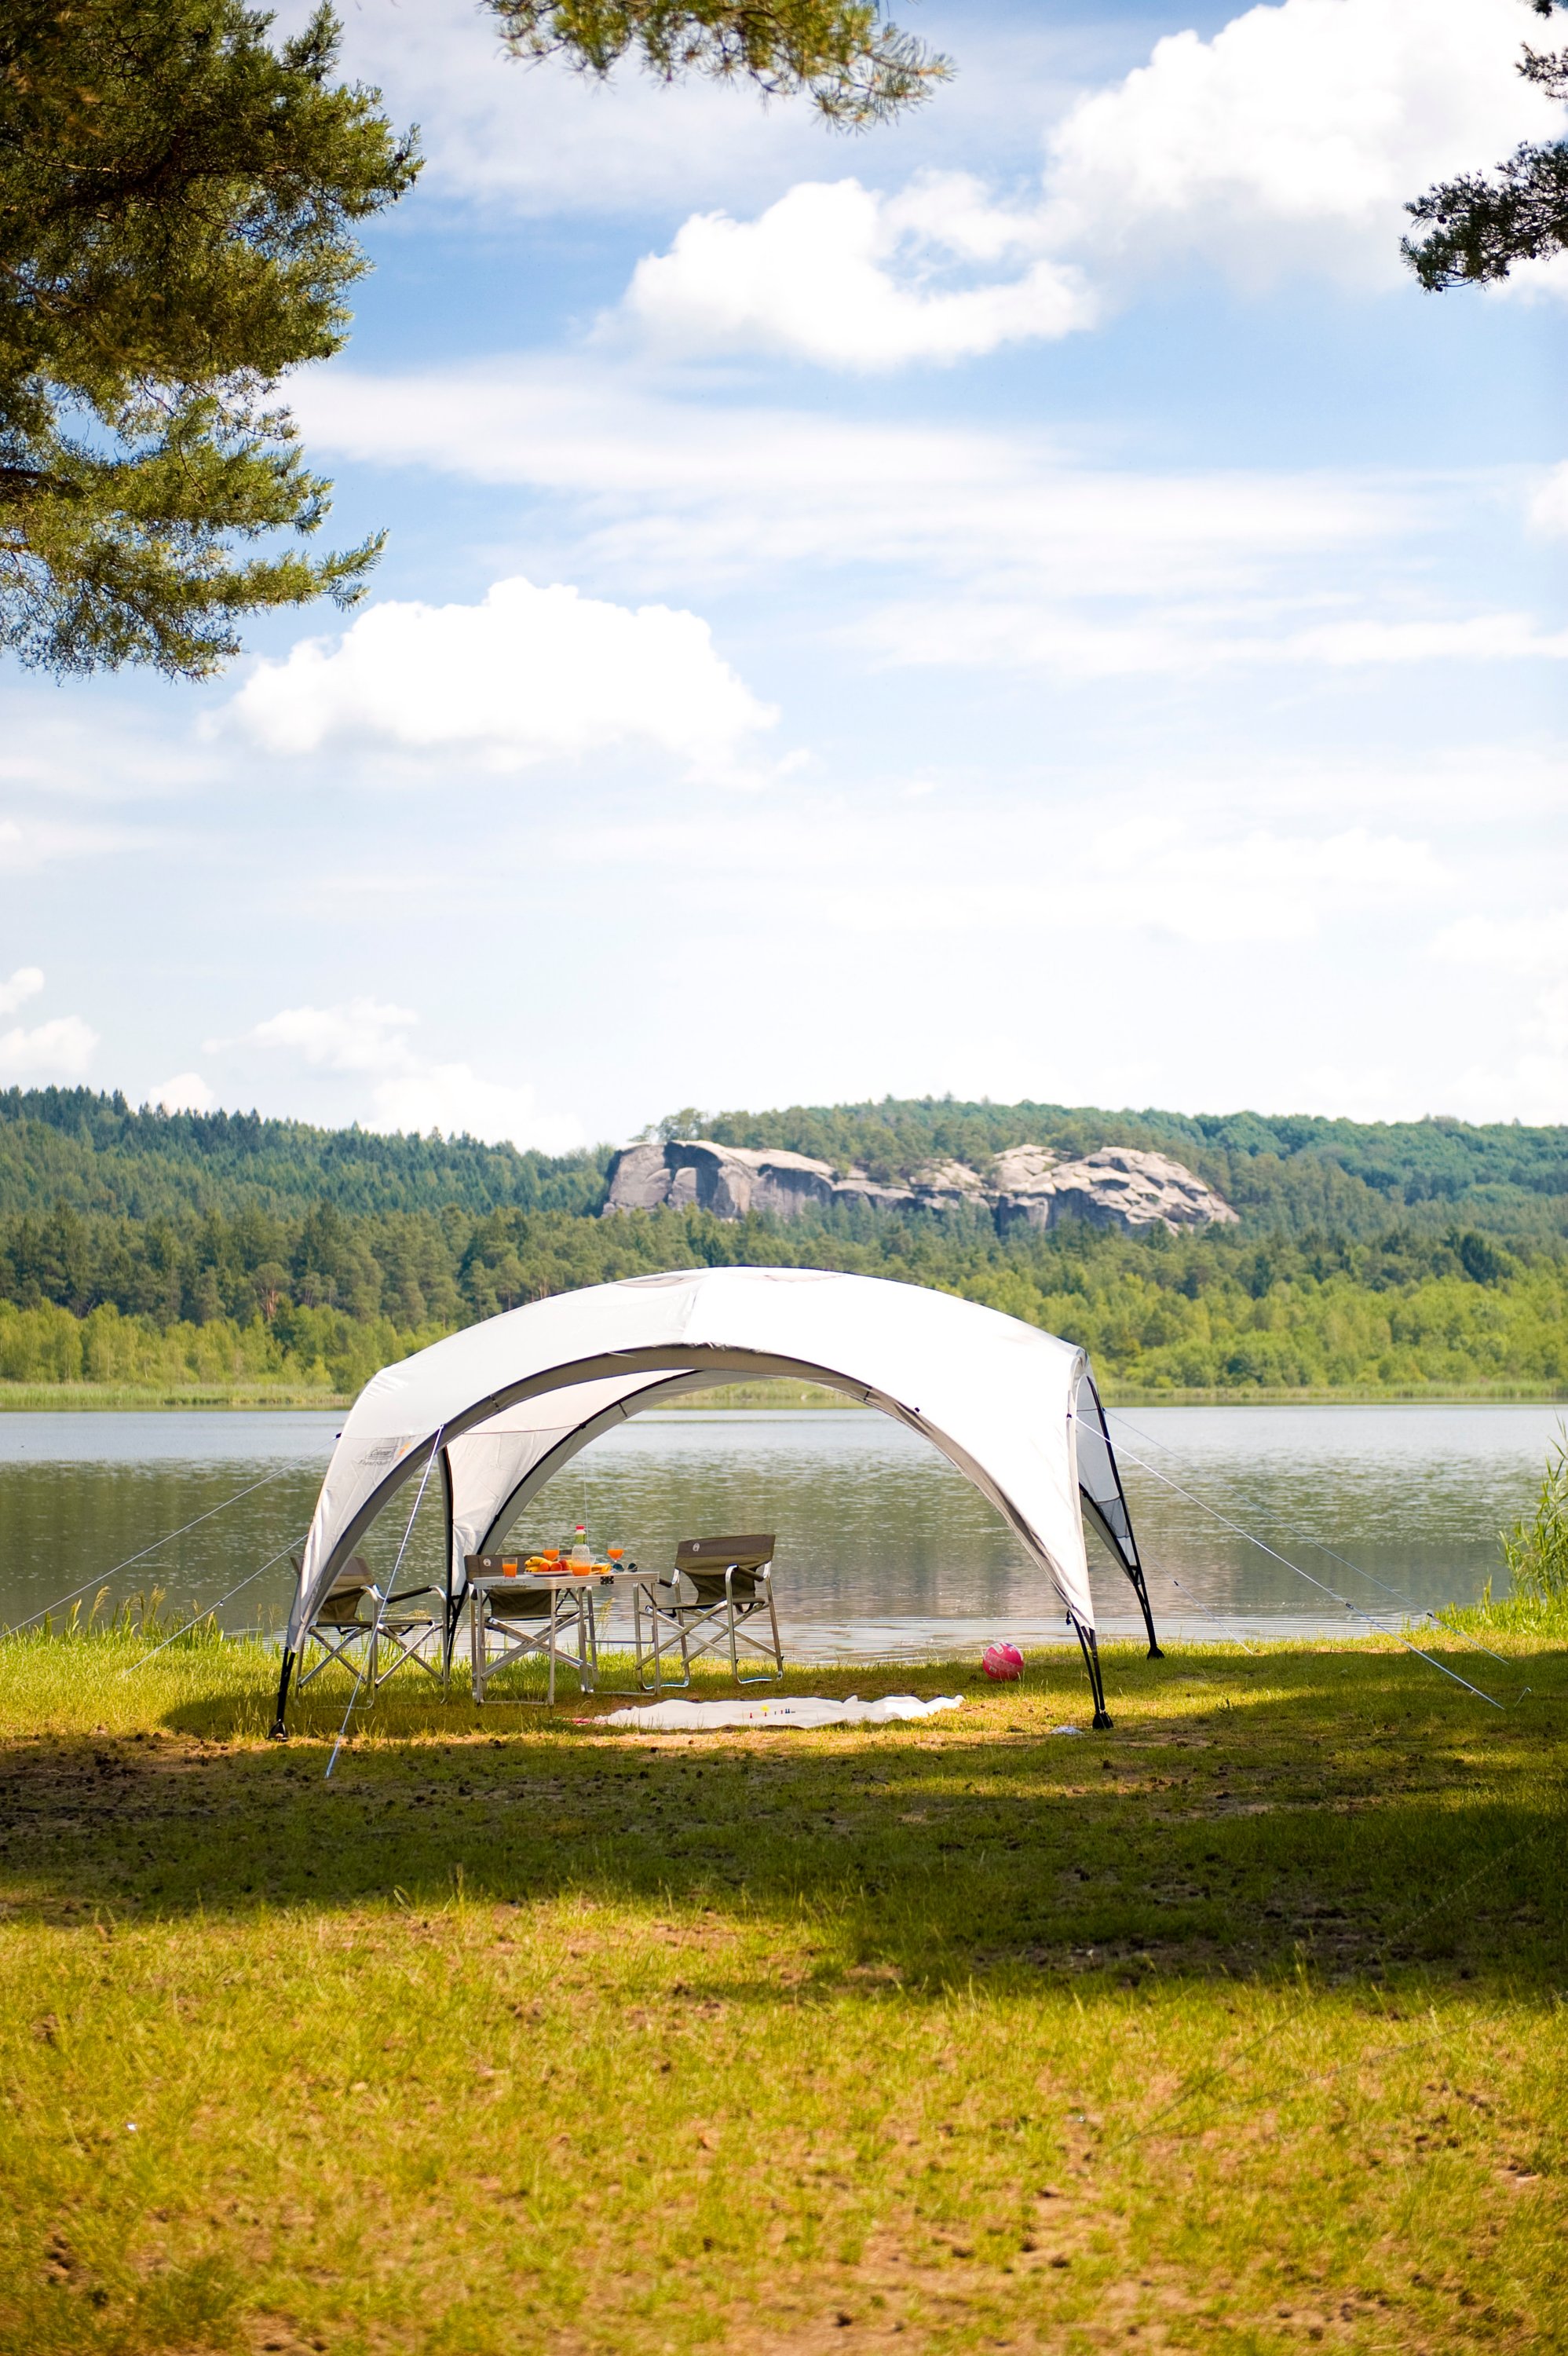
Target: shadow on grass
<point>1345,1812</point>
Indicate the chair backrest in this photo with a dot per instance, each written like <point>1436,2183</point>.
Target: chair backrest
<point>343,1597</point>
<point>705,1561</point>
<point>724,1554</point>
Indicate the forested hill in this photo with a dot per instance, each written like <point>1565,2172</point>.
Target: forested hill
<point>147,1249</point>
<point>70,1148</point>
<point>1296,1176</point>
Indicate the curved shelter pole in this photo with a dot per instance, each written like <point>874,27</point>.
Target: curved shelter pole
<point>573,1442</point>
<point>717,1365</point>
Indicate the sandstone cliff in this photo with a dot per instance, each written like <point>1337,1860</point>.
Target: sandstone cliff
<point>1117,1187</point>
<point>1028,1184</point>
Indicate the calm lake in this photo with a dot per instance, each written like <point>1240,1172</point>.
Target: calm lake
<point>884,1551</point>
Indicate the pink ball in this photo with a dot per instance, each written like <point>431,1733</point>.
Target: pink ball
<point>1002,1663</point>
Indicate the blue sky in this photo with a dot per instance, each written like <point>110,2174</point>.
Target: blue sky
<point>1031,602</point>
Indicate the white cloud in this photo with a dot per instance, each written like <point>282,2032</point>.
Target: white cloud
<point>697,488</point>
<point>24,983</point>
<point>1538,278</point>
<point>27,844</point>
<point>1548,510</point>
<point>1152,877</point>
<point>410,1091</point>
<point>361,1037</point>
<point>528,675</point>
<point>838,274</point>
<point>1180,641</point>
<point>1292,140</point>
<point>1261,886</point>
<point>59,1050</point>
<point>1295,136</point>
<point>1524,943</point>
<point>1479,637</point>
<point>1533,945</point>
<point>1296,132</point>
<point>186,1092</point>
<point>861,877</point>
<point>548,140</point>
<point>453,1098</point>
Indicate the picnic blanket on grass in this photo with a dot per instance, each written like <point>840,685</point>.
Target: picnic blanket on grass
<point>804,1709</point>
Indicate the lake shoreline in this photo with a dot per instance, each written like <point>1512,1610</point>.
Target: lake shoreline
<point>36,1399</point>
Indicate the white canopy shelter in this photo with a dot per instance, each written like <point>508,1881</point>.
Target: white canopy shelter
<point>501,1407</point>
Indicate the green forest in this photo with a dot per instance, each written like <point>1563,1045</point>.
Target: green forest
<point>146,1250</point>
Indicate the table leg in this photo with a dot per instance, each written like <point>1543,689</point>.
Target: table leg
<point>587,1670</point>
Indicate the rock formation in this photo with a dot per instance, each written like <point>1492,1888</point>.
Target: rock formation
<point>1117,1187</point>
<point>727,1180</point>
<point>947,1185</point>
<point>1030,1185</point>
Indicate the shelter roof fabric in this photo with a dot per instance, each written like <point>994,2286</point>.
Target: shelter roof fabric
<point>504,1403</point>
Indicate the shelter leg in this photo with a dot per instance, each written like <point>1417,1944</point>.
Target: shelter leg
<point>1091,1652</point>
<point>278,1731</point>
<point>1142,1592</point>
<point>587,1645</point>
<point>448,1641</point>
<point>446,1497</point>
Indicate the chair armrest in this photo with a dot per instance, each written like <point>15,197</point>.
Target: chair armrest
<point>407,1594</point>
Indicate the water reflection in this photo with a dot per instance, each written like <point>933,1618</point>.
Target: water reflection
<point>883,1549</point>
<point>81,1494</point>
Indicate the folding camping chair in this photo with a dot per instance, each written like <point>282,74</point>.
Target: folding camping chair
<point>346,1633</point>
<point>514,1619</point>
<point>731,1585</point>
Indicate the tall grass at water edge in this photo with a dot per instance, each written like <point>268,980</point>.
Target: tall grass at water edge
<point>1535,1556</point>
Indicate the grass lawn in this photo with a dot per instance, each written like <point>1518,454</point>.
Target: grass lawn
<point>1243,2028</point>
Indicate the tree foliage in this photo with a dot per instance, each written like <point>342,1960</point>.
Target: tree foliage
<point>1293,1175</point>
<point>179,203</point>
<point>1479,228</point>
<point>856,65</point>
<point>1299,1172</point>
<point>1368,1254</point>
<point>93,1152</point>
<point>178,208</point>
<point>1221,1312</point>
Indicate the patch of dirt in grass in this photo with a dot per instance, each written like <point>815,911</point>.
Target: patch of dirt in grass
<point>274,2335</point>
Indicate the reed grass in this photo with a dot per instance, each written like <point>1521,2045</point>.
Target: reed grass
<point>1243,2029</point>
<point>32,1397</point>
